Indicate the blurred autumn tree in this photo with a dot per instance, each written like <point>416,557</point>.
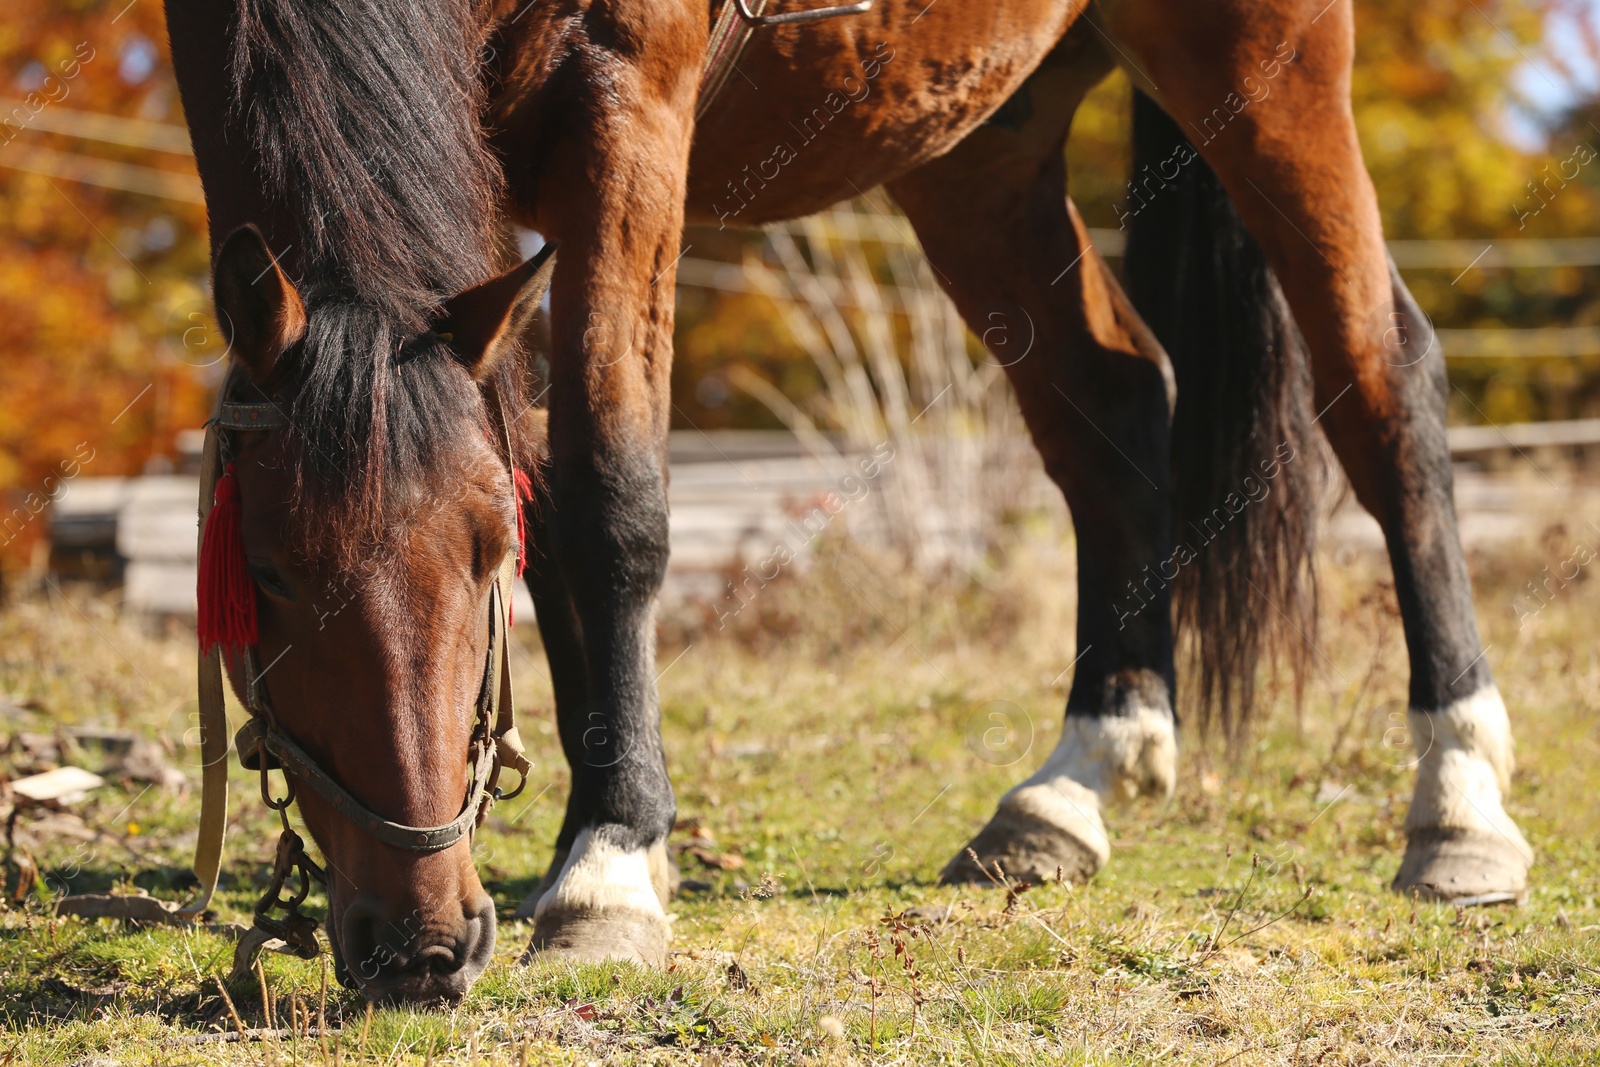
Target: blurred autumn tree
<point>1438,104</point>
<point>89,275</point>
<point>1444,128</point>
<point>98,284</point>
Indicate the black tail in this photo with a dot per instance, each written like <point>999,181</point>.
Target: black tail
<point>1245,465</point>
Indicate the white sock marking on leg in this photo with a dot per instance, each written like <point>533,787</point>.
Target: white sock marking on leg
<point>599,876</point>
<point>1107,758</point>
<point>1464,768</point>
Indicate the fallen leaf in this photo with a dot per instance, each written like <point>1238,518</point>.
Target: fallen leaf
<point>722,861</point>
<point>64,784</point>
<point>738,979</point>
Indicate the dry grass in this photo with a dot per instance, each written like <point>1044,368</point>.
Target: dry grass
<point>1245,922</point>
<point>899,372</point>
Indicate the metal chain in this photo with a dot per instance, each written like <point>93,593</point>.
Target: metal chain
<point>296,930</point>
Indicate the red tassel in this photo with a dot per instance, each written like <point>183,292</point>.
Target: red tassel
<point>524,496</point>
<point>226,594</point>
<point>524,486</point>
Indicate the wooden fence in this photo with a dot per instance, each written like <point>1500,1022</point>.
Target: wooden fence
<point>734,496</point>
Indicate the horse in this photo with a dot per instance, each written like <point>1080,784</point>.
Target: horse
<point>360,160</point>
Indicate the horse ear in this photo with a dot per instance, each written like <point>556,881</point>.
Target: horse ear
<point>261,312</point>
<point>485,322</point>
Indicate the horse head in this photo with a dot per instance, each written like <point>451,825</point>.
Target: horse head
<point>376,516</point>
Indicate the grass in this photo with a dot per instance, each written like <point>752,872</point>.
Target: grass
<point>843,743</point>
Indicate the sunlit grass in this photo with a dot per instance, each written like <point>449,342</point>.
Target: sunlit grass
<point>1247,920</point>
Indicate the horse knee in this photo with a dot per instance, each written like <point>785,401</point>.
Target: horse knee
<point>611,529</point>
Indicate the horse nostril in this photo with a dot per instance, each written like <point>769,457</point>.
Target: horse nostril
<point>435,959</point>
<point>411,964</point>
<point>363,954</point>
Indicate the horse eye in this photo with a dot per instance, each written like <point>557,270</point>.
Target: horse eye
<point>268,578</point>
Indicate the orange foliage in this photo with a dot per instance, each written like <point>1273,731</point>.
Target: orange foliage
<point>94,381</point>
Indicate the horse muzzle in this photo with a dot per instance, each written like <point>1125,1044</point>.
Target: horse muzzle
<point>409,960</point>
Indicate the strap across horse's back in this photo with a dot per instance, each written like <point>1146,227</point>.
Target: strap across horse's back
<point>729,34</point>
<point>731,31</point>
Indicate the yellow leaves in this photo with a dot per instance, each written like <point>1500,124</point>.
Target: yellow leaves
<point>83,360</point>
<point>1433,89</point>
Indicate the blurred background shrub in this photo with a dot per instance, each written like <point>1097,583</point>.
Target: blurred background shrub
<point>1466,109</point>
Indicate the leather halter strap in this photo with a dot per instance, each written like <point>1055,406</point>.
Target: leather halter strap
<point>235,415</point>
<point>213,722</point>
<point>260,742</point>
<point>495,742</point>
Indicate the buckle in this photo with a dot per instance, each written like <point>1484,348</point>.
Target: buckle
<point>247,743</point>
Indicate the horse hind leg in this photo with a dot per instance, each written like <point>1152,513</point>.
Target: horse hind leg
<point>1290,161</point>
<point>1096,393</point>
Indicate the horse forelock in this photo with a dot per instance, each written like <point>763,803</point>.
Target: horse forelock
<point>378,416</point>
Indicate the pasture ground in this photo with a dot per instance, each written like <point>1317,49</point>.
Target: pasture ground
<point>831,750</point>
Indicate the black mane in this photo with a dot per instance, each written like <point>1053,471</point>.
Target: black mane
<point>363,117</point>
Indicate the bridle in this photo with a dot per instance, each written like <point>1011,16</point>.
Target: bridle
<point>263,745</point>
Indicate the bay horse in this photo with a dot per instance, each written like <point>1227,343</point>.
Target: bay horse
<point>360,158</point>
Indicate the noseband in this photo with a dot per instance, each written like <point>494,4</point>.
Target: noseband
<point>263,745</point>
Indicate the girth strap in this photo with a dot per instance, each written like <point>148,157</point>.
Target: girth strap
<point>729,35</point>
<point>731,31</point>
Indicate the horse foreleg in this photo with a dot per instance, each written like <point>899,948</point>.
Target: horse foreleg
<point>611,191</point>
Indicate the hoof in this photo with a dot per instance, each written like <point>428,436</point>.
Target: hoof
<point>1464,868</point>
<point>595,937</point>
<point>1461,846</point>
<point>607,901</point>
<point>1038,833</point>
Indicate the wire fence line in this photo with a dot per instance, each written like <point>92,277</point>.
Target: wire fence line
<point>181,186</point>
<point>98,126</point>
<point>1500,343</point>
<point>170,138</point>
<point>877,226</point>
